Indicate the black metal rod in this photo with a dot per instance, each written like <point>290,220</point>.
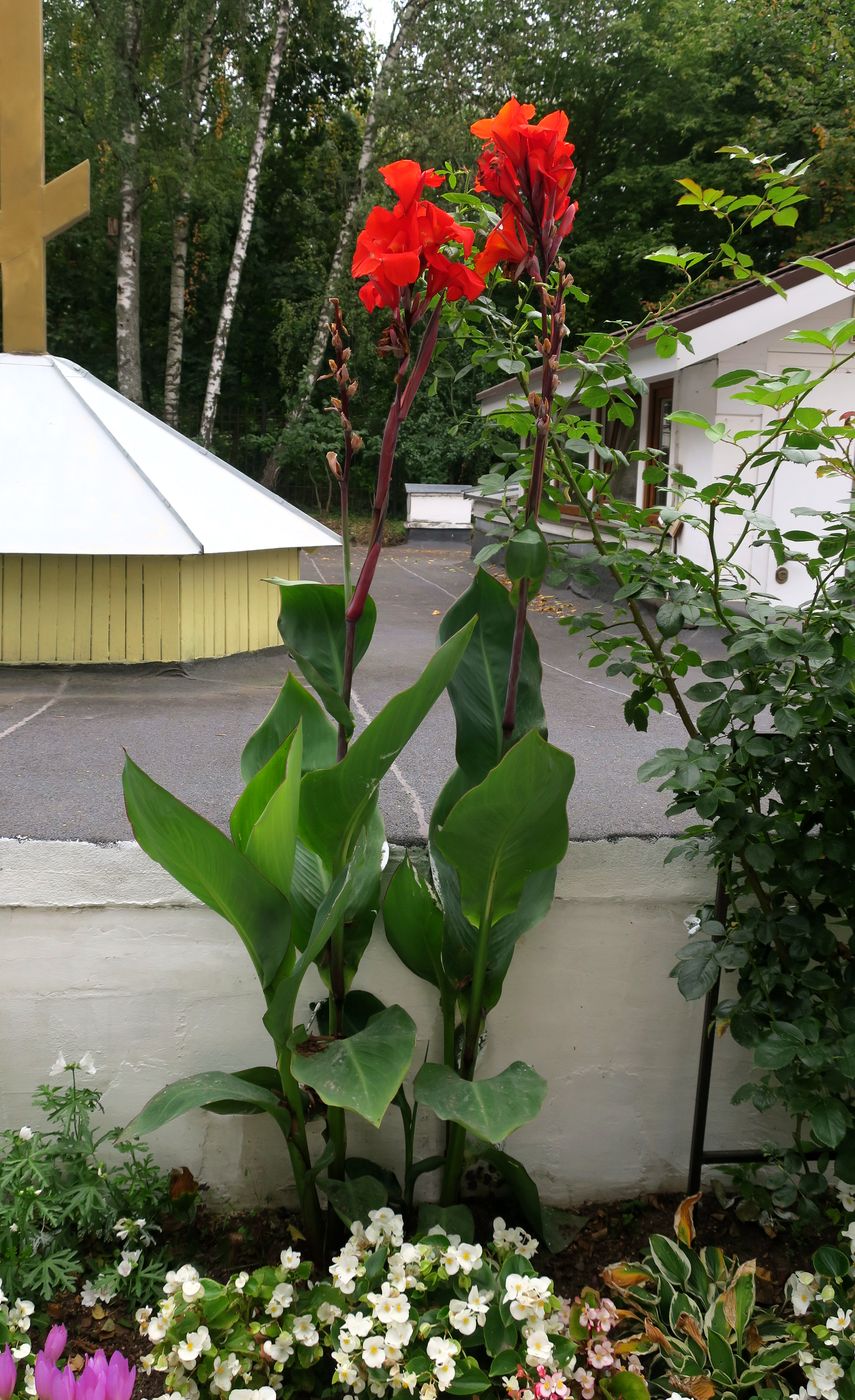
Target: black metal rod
<point>705,1061</point>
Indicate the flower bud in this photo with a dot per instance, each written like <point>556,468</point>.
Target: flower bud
<point>334,465</point>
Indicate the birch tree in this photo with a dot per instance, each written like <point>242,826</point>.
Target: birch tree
<point>128,357</point>
<point>197,69</point>
<point>400,33</point>
<point>247,214</point>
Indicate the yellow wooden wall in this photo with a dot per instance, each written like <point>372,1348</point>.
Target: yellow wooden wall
<point>72,609</point>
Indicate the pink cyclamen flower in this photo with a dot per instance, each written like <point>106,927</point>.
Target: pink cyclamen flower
<point>55,1343</point>
<point>8,1374</point>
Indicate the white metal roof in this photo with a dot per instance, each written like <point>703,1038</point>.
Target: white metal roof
<point>84,471</point>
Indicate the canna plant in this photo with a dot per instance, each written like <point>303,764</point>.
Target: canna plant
<point>299,874</point>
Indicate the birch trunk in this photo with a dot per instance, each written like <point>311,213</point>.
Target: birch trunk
<point>314,362</point>
<point>195,89</point>
<point>128,358</point>
<point>250,196</point>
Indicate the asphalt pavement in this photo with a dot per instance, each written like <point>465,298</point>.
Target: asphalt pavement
<point>63,730</point>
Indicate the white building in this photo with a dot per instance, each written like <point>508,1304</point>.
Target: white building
<point>746,327</point>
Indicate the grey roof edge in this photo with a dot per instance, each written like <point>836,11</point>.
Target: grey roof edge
<point>331,536</point>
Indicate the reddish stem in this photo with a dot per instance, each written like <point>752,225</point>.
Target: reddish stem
<point>553,319</point>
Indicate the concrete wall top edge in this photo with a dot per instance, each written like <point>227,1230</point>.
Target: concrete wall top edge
<point>80,874</point>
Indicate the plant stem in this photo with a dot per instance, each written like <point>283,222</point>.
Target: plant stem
<point>457,1136</point>
<point>345,541</point>
<point>294,1130</point>
<point>552,333</point>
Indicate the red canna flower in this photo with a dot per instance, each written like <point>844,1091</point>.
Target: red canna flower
<point>398,245</point>
<point>529,166</point>
<point>506,244</point>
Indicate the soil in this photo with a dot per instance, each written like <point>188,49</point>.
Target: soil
<point>221,1245</point>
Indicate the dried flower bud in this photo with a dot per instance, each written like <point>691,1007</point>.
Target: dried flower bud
<point>352,388</point>
<point>336,403</point>
<point>356,443</point>
<point>334,465</point>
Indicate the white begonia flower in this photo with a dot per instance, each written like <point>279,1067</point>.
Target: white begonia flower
<point>280,1349</point>
<point>328,1313</point>
<point>400,1333</point>
<point>25,1133</point>
<point>393,1349</point>
<point>408,1380</point>
<point>157,1328</point>
<point>289,1260</point>
<point>19,1316</point>
<point>461,1317</point>
<point>442,1348</point>
<point>265,1392</point>
<point>142,1317</point>
<point>821,1380</point>
<point>427,1391</point>
<point>241,1281</point>
<point>538,1347</point>
<point>194,1345</point>
<point>444,1372</point>
<point>345,1373</point>
<point>280,1299</point>
<point>846,1195</point>
<point>21,1351</point>
<point>86,1063</point>
<point>469,1257</point>
<point>802,1290</point>
<point>373,1353</point>
<point>128,1262</point>
<point>225,1370</point>
<point>305,1331</point>
<point>840,1321</point>
<point>358,1324</point>
<point>59,1066</point>
<point>849,1232</point>
<point>185,1280</point>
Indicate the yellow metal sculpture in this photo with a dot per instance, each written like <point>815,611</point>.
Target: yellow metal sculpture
<point>31,212</point>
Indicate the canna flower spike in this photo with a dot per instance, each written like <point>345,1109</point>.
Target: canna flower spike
<point>529,166</point>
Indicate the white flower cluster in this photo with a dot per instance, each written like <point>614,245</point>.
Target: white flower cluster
<point>833,1337</point>
<point>393,1316</point>
<point>15,1321</point>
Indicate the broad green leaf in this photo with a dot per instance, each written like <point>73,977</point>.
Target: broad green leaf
<point>469,1379</point>
<point>335,803</point>
<point>293,704</point>
<point>478,686</point>
<point>671,1259</point>
<point>272,844</point>
<point>206,863</point>
<point>844,1158</point>
<point>830,1262</point>
<point>829,1122</point>
<point>625,1385</point>
<point>353,1199</point>
<point>199,1091</point>
<point>279,1017</point>
<point>312,626</point>
<point>511,825</point>
<point>453,1220</point>
<point>258,793</point>
<point>490,1109</point>
<point>265,1075</point>
<point>527,555</point>
<point>364,1072</point>
<point>669,619</point>
<point>412,921</point>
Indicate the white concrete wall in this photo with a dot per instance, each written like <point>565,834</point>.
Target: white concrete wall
<point>102,951</point>
<point>427,508</point>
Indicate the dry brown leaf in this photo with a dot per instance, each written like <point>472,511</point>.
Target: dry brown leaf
<point>684,1219</point>
<point>698,1387</point>
<point>624,1276</point>
<point>686,1323</point>
<point>657,1335</point>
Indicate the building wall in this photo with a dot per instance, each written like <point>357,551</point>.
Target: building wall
<point>795,484</point>
<point>101,951</point>
<point>76,609</point>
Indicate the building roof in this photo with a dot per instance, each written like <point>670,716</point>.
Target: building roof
<point>725,320</point>
<point>85,471</point>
